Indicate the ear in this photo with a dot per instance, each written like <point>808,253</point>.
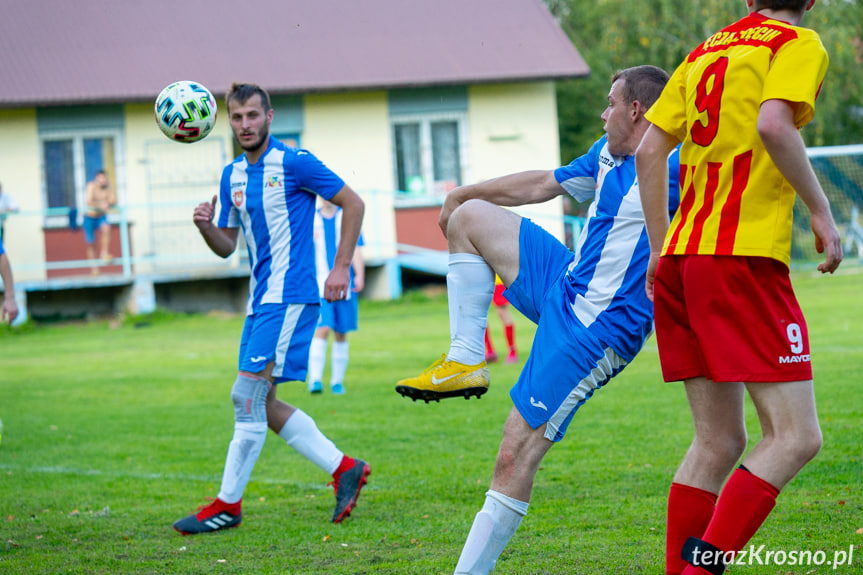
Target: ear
<point>810,5</point>
<point>636,110</point>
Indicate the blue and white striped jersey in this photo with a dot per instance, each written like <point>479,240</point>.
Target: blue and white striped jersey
<point>328,234</point>
<point>273,201</point>
<point>605,282</point>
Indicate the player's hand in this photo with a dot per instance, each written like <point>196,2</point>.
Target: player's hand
<point>9,311</point>
<point>204,213</point>
<point>650,276</point>
<point>450,203</point>
<point>827,241</point>
<point>337,285</point>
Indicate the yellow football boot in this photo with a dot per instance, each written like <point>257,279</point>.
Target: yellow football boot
<point>444,379</point>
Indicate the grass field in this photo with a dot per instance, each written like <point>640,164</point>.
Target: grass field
<point>113,432</point>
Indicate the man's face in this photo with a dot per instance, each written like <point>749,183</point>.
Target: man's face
<point>250,123</point>
<point>618,124</point>
<point>101,180</point>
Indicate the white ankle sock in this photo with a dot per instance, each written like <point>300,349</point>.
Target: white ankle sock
<point>301,433</point>
<point>470,288</point>
<point>492,529</point>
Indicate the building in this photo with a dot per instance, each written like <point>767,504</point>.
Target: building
<point>405,100</point>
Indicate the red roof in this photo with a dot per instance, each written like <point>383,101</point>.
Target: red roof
<point>61,52</point>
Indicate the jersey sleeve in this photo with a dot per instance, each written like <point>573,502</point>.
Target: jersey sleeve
<point>313,176</point>
<point>228,215</point>
<point>578,178</point>
<point>796,75</point>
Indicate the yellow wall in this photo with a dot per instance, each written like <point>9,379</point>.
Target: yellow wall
<point>513,128</point>
<point>350,133</point>
<point>21,176</point>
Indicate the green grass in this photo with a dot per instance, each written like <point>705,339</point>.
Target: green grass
<point>113,432</point>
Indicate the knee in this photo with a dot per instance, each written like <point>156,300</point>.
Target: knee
<point>724,450</point>
<point>464,217</point>
<point>249,396</point>
<point>803,447</point>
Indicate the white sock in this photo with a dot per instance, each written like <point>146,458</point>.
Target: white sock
<point>301,433</point>
<point>317,358</point>
<point>339,361</point>
<point>492,529</point>
<point>470,288</point>
<point>243,453</point>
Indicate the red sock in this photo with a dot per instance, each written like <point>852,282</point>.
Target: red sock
<point>689,513</point>
<point>489,348</point>
<point>509,331</point>
<point>744,504</point>
<point>347,463</point>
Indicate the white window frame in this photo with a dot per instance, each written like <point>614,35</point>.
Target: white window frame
<point>78,165</point>
<point>425,120</point>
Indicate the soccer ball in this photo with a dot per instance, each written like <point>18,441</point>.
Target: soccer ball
<point>186,111</point>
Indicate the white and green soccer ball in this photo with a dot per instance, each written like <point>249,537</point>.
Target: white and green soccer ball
<point>186,111</point>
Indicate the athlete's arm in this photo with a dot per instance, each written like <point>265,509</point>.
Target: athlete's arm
<point>787,150</point>
<point>339,281</point>
<point>9,309</point>
<point>531,187</point>
<point>223,241</point>
<point>651,168</point>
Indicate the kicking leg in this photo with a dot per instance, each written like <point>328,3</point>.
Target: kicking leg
<point>482,237</point>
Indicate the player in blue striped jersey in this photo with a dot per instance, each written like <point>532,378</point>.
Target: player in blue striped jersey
<point>270,192</point>
<point>591,311</point>
<point>339,317</point>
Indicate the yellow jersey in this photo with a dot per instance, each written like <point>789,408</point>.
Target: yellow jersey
<point>733,199</point>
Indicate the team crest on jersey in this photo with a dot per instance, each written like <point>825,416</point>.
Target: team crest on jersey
<point>274,182</point>
<point>237,196</point>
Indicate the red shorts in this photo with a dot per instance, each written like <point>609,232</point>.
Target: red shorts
<point>729,319</point>
<point>498,299</point>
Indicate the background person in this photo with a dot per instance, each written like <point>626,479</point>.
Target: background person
<point>501,308</point>
<point>9,310</point>
<point>727,319</point>
<point>8,205</point>
<point>339,317</point>
<point>99,198</point>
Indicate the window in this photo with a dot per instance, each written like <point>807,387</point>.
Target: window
<point>69,162</point>
<point>76,142</point>
<point>429,128</point>
<point>428,153</point>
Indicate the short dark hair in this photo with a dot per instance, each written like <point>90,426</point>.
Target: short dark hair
<point>642,83</point>
<point>241,92</point>
<point>793,5</point>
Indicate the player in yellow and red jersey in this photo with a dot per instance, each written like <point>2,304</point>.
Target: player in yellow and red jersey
<point>726,316</point>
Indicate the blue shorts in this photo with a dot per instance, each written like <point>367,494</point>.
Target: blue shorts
<point>341,315</point>
<point>567,363</point>
<point>90,225</point>
<point>280,332</point>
